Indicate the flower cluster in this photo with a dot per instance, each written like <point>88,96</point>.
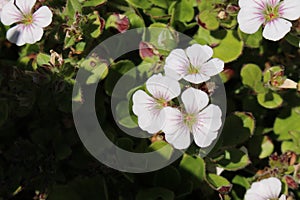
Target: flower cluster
<point>29,28</point>
<point>272,14</point>
<point>194,118</point>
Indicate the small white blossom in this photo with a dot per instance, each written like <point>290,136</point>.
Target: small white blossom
<point>266,189</point>
<point>149,109</point>
<point>29,28</point>
<point>197,117</point>
<point>272,14</point>
<point>194,64</point>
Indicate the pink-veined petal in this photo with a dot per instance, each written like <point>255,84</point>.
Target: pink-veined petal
<point>176,133</point>
<point>252,196</point>
<point>196,78</point>
<point>260,4</point>
<point>273,3</point>
<point>15,35</point>
<point>199,54</point>
<point>42,17</point>
<point>194,100</point>
<point>32,33</point>
<point>150,118</point>
<point>2,4</point>
<point>142,102</point>
<point>25,5</point>
<point>250,19</point>
<point>177,62</point>
<point>276,29</point>
<point>289,9</point>
<point>10,14</point>
<point>163,87</point>
<point>212,67</point>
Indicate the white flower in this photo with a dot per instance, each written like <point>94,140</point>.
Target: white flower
<point>149,109</point>
<point>270,13</point>
<point>266,189</point>
<point>197,118</point>
<point>29,28</point>
<point>2,4</point>
<point>194,64</point>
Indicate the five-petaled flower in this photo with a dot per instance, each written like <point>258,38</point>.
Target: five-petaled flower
<point>29,28</point>
<point>149,109</point>
<point>266,189</point>
<point>273,14</point>
<point>194,64</point>
<point>197,117</point>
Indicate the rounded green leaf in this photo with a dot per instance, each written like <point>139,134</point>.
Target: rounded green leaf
<point>233,160</point>
<point>209,20</point>
<point>216,181</point>
<point>269,100</point>
<point>252,77</point>
<point>184,11</point>
<point>230,47</point>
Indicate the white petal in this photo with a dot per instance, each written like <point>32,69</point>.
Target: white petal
<point>25,5</point>
<point>252,4</point>
<point>253,196</point>
<point>266,189</point>
<point>194,100</point>
<point>10,14</point>
<point>163,87</point>
<point>276,29</point>
<point>199,54</point>
<point>196,78</point>
<point>210,118</point>
<point>282,197</point>
<point>177,62</point>
<point>176,133</point>
<point>142,102</point>
<point>42,17</point>
<point>150,118</point>
<point>212,67</point>
<point>290,9</point>
<point>32,33</point>
<point>15,35</point>
<point>250,19</point>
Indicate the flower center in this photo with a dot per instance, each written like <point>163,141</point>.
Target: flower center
<point>193,70</point>
<point>161,103</point>
<point>27,19</point>
<point>271,12</point>
<point>189,120</point>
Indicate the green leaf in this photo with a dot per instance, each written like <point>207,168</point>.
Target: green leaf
<point>43,59</point>
<point>163,148</point>
<point>230,47</point>
<point>193,168</point>
<point>233,160</point>
<point>251,40</point>
<point>286,123</point>
<point>184,11</point>
<point>267,148</point>
<point>242,181</point>
<point>135,20</point>
<point>216,181</point>
<point>123,115</point>
<point>144,4</point>
<point>69,41</point>
<point>155,193</point>
<point>252,77</point>
<point>161,3</point>
<point>293,39</point>
<point>204,36</point>
<point>209,19</point>
<point>269,100</point>
<point>72,7</point>
<point>162,36</point>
